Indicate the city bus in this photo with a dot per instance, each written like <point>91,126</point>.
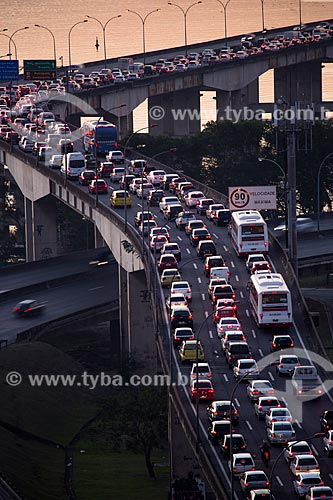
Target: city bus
<point>99,137</point>
<point>248,233</point>
<point>270,300</point>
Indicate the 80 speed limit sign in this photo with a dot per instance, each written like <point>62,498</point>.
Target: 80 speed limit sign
<point>252,198</point>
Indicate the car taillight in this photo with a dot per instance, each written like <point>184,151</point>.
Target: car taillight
<point>253,468</point>
<point>177,338</point>
<point>243,446</point>
<point>281,365</point>
<point>246,484</point>
<point>15,309</point>
<point>214,432</point>
<point>292,344</point>
<point>273,435</point>
<point>172,318</point>
<point>299,391</point>
<point>271,392</point>
<point>255,392</point>
<point>215,413</point>
<point>189,290</point>
<point>330,442</point>
<point>210,391</point>
<point>234,470</point>
<point>260,407</point>
<point>190,316</point>
<point>301,483</point>
<point>235,412</point>
<point>206,266</point>
<point>298,467</point>
<point>27,310</point>
<point>291,454</point>
<point>274,345</point>
<point>233,296</point>
<point>267,483</point>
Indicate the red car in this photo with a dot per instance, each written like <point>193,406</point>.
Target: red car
<point>167,261</point>
<point>205,390</point>
<point>102,187</point>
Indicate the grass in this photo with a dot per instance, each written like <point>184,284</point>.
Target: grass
<point>102,473</point>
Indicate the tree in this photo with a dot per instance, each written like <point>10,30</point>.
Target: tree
<point>138,418</point>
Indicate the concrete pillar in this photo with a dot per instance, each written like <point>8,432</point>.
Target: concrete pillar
<point>138,334</point>
<point>40,229</point>
<point>164,105</point>
<point>233,105</point>
<point>300,82</point>
<point>125,125</point>
<point>98,238</point>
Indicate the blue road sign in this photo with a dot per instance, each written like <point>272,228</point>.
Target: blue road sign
<point>9,70</point>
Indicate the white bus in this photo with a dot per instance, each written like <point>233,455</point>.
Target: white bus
<point>270,300</point>
<point>248,232</point>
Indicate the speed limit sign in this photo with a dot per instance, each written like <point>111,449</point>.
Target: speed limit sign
<point>239,199</point>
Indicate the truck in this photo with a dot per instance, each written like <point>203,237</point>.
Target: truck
<point>306,382</point>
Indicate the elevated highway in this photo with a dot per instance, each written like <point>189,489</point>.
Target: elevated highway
<point>215,469</point>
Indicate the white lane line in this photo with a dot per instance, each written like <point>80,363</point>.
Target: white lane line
<point>203,296</point>
<point>199,280</point>
<point>225,377</point>
<point>241,294</point>
<point>331,476</point>
<point>210,334</point>
<point>237,402</point>
<point>180,239</point>
<point>247,313</point>
<point>298,424</point>
<point>284,400</point>
<point>188,250</point>
<point>261,353</point>
<point>271,376</point>
<point>206,314</point>
<point>225,248</point>
<point>232,264</point>
<point>95,288</point>
<point>168,227</point>
<point>314,449</point>
<point>279,480</point>
<point>254,334</point>
<point>215,236</point>
<point>195,266</point>
<point>139,205</point>
<point>249,425</point>
<point>236,277</point>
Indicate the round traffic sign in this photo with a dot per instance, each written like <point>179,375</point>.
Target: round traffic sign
<point>239,198</point>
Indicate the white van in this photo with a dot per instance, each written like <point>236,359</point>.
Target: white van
<point>219,273</point>
<point>75,165</point>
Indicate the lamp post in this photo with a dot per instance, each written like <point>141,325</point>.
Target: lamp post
<point>69,50</point>
<point>171,150</point>
<point>285,189</point>
<point>309,438</point>
<point>263,15</point>
<point>224,6</point>
<point>96,161</point>
<point>6,55</point>
<point>300,13</point>
<point>143,20</point>
<point>7,36</point>
<point>11,38</point>
<point>54,42</point>
<point>103,26</point>
<point>318,189</point>
<point>125,149</point>
<point>185,12</point>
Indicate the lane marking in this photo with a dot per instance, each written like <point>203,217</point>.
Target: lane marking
<point>247,313</point>
<point>331,476</point>
<point>206,314</point>
<point>298,424</point>
<point>241,294</point>
<point>215,236</point>
<point>284,400</point>
<point>237,402</point>
<point>261,353</point>
<point>139,205</point>
<point>314,449</point>
<point>195,266</point>
<point>165,225</point>
<point>236,277</point>
<point>279,480</point>
<point>249,425</point>
<point>95,288</point>
<point>232,264</point>
<point>199,280</point>
<point>188,251</point>
<point>210,334</point>
<point>254,334</point>
<point>225,248</point>
<point>203,296</point>
<point>271,376</point>
<point>225,377</point>
<point>180,239</point>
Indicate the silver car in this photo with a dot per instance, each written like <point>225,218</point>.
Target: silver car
<point>258,388</point>
<point>264,404</point>
<point>305,481</point>
<point>294,448</point>
<point>278,415</point>
<point>328,443</point>
<point>253,480</point>
<point>246,369</point>
<point>287,363</point>
<point>280,432</point>
<point>304,463</point>
<point>242,462</point>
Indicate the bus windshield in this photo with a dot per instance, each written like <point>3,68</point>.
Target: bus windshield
<point>252,229</point>
<point>274,298</point>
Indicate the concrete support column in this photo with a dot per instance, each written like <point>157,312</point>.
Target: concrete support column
<point>301,82</point>
<point>40,229</point>
<point>125,125</point>
<point>98,238</point>
<point>165,104</point>
<point>233,105</point>
<point>138,334</point>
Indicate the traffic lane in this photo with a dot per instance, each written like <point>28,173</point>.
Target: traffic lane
<point>65,299</point>
<point>46,270</point>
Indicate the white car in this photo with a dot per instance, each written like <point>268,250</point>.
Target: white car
<point>287,363</point>
<point>241,462</point>
<point>258,388</point>
<point>278,415</point>
<point>201,370</point>
<point>304,463</point>
<point>182,287</point>
<point>213,208</point>
<point>55,162</point>
<point>252,258</point>
<point>246,369</point>
<point>226,324</point>
<point>305,481</point>
<point>156,242</point>
<point>193,197</point>
<point>143,190</point>
<point>280,432</point>
<point>319,492</point>
<point>156,177</point>
<point>135,184</point>
<point>328,443</point>
<point>303,225</point>
<point>158,231</point>
<point>176,299</point>
<point>294,448</point>
<point>116,157</point>
<point>167,200</point>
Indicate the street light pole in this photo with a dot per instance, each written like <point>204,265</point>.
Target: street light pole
<point>300,13</point>
<point>263,15</point>
<point>69,50</point>
<point>143,21</point>
<point>285,189</point>
<point>10,41</point>
<point>224,7</point>
<point>54,42</point>
<point>185,12</point>
<point>318,189</point>
<point>13,42</point>
<point>103,26</point>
